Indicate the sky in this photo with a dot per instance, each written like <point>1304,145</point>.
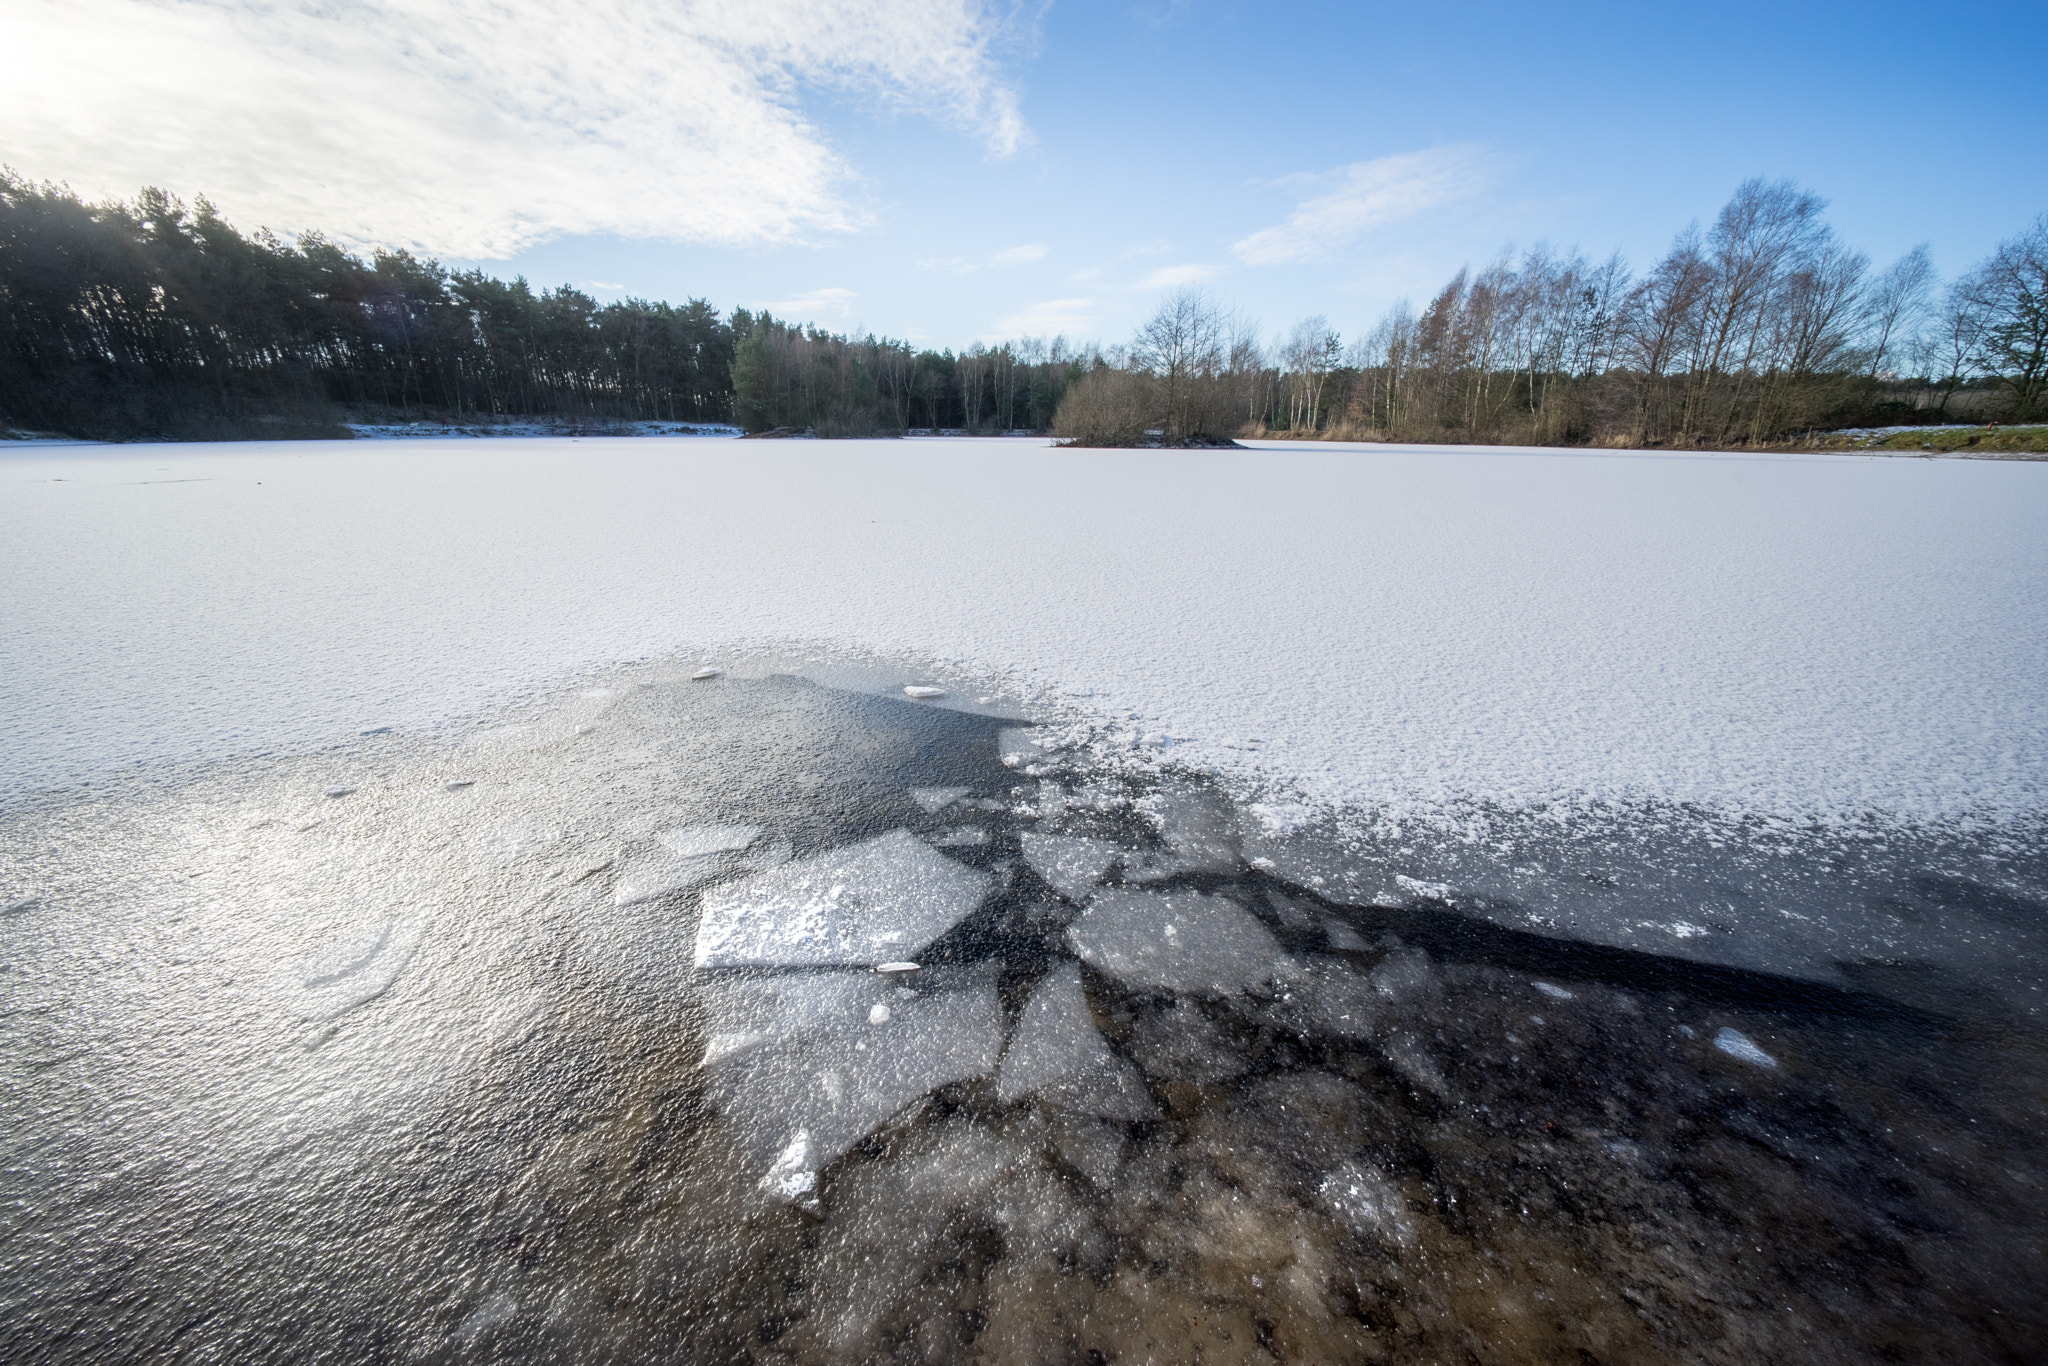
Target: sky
<point>952,170</point>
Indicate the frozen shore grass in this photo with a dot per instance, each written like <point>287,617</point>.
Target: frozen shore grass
<point>1981,441</point>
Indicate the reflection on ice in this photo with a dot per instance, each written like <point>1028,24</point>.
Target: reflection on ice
<point>354,968</point>
<point>621,1078</point>
<point>862,904</point>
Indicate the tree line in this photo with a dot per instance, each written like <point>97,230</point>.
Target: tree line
<point>155,319</point>
<point>1761,328</point>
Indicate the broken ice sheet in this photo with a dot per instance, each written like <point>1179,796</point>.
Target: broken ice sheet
<point>690,857</point>
<point>797,1103</point>
<point>1070,864</point>
<point>1058,1054</point>
<point>1182,941</point>
<point>745,1012</point>
<point>862,904</point>
<point>1019,747</point>
<point>933,800</point>
<point>1327,998</point>
<point>1364,1201</point>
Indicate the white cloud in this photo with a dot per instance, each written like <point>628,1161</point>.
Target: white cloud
<point>815,304</point>
<point>1009,256</point>
<point>1050,318</point>
<point>477,127</point>
<point>1363,196</point>
<point>1018,256</point>
<point>1171,277</point>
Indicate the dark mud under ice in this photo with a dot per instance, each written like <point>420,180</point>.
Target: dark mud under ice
<point>562,1040</point>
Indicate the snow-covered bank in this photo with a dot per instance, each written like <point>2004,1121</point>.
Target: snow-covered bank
<point>1370,626</point>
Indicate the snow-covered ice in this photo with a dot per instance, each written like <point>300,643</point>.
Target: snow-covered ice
<point>1182,941</point>
<point>868,903</point>
<point>1405,629</point>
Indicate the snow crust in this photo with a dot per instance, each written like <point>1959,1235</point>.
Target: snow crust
<point>868,903</point>
<point>1389,628</point>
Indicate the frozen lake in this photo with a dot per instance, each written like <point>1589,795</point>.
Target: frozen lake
<point>1526,907</point>
<point>1387,628</point>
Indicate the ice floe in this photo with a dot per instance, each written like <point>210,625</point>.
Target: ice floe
<point>689,858</point>
<point>1742,1048</point>
<point>933,800</point>
<point>861,904</point>
<point>922,692</point>
<point>1174,941</point>
<point>795,1106</point>
<point>1057,1053</point>
<point>1070,864</point>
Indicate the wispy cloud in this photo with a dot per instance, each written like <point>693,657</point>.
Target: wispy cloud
<point>1049,318</point>
<point>1171,277</point>
<point>477,127</point>
<point>831,301</point>
<point>1363,196</point>
<point>1009,256</point>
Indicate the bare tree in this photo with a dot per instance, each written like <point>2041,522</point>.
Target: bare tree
<point>1899,301</point>
<point>2009,295</point>
<point>1308,356</point>
<point>1183,345</point>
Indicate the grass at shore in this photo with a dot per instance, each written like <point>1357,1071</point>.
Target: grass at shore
<point>1951,441</point>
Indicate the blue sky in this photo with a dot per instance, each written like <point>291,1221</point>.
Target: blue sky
<point>944,170</point>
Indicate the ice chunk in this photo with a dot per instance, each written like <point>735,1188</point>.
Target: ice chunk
<point>922,691</point>
<point>746,1012</point>
<point>1342,938</point>
<point>483,1319</point>
<point>1405,975</point>
<point>692,841</point>
<point>1180,942</point>
<point>339,791</point>
<point>704,673</point>
<point>1090,1146</point>
<point>1020,747</point>
<point>1293,914</point>
<point>1070,864</point>
<point>960,837</point>
<point>1364,1201</point>
<point>1058,1053</point>
<point>1199,825</point>
<point>1556,993</point>
<point>797,1105</point>
<point>862,904</point>
<point>458,784</point>
<point>1738,1045</point>
<point>658,875</point>
<point>1181,1043</point>
<point>1326,997</point>
<point>933,800</point>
